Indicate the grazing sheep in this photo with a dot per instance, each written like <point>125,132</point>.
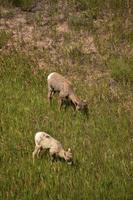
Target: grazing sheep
<point>57,83</point>
<point>45,141</point>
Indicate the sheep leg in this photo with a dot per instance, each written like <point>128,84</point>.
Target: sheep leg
<point>73,105</point>
<point>60,103</point>
<point>38,152</point>
<point>35,152</point>
<point>52,154</point>
<point>61,99</point>
<point>50,94</point>
<point>41,152</point>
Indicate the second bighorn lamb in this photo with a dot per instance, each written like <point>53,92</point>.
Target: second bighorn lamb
<point>58,83</point>
<point>45,141</point>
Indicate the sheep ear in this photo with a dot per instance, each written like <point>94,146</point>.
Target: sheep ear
<point>75,103</point>
<point>84,101</point>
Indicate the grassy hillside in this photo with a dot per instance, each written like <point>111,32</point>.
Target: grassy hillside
<point>90,42</point>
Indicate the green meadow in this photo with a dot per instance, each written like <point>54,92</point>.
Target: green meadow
<point>102,142</point>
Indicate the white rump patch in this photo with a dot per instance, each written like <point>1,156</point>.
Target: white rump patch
<point>49,76</point>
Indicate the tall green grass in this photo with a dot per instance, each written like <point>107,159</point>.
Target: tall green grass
<point>101,143</point>
<point>121,70</point>
<point>4,37</point>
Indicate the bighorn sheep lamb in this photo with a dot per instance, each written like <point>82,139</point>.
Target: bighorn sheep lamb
<point>45,141</point>
<point>58,83</point>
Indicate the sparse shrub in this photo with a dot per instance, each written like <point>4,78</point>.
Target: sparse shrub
<point>20,3</point>
<point>84,21</point>
<point>38,18</point>
<point>101,6</point>
<point>23,3</point>
<point>5,2</point>
<point>82,4</point>
<point>76,55</point>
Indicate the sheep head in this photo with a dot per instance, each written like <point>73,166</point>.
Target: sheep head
<point>82,106</point>
<point>68,156</point>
